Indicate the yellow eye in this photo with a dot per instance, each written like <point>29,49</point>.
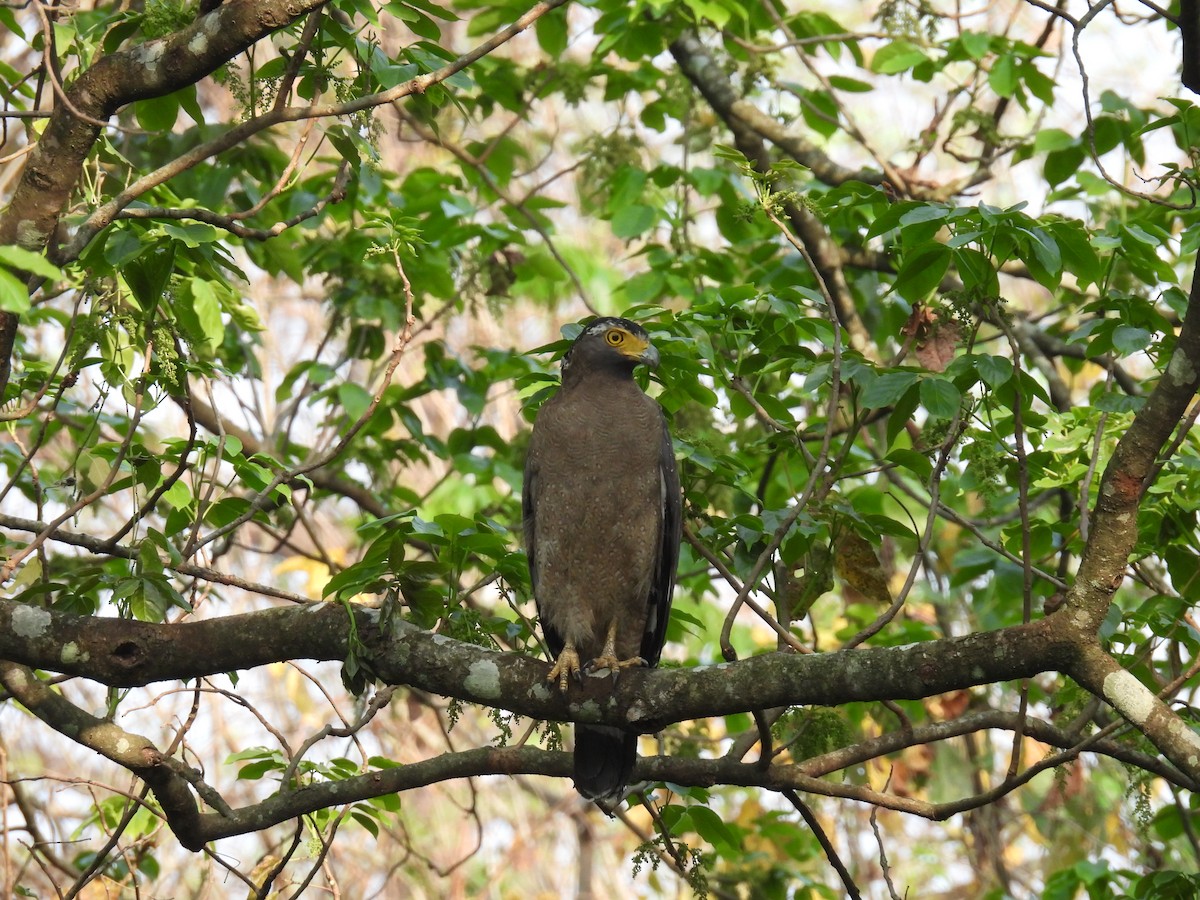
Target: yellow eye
<point>615,337</point>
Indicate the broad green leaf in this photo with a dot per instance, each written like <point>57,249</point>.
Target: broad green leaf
<point>19,258</point>
<point>1002,77</point>
<point>552,31</point>
<point>207,309</point>
<point>157,113</point>
<point>898,56</point>
<point>976,43</point>
<point>922,271</point>
<point>926,212</point>
<point>993,370</point>
<point>1049,139</point>
<point>1130,339</point>
<point>940,397</point>
<point>888,388</point>
<point>355,399</point>
<point>14,297</point>
<point>149,273</point>
<point>633,220</point>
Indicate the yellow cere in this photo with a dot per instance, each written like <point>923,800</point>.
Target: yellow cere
<point>628,344</point>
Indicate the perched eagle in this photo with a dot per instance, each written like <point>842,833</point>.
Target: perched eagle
<point>602,525</point>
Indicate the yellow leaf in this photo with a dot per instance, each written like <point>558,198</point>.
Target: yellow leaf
<point>856,563</point>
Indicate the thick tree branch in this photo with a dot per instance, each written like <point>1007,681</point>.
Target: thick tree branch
<point>124,653</point>
<point>152,69</point>
<point>157,68</point>
<point>1111,539</point>
<point>119,652</point>
<point>104,215</point>
<point>1104,677</point>
<point>1114,520</point>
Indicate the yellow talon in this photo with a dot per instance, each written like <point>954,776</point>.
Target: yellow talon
<point>612,664</point>
<point>607,660</point>
<point>565,666</point>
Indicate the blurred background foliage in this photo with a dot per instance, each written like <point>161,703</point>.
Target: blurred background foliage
<point>910,276</point>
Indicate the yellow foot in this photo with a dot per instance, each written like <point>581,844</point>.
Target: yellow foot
<point>565,666</point>
<point>609,662</point>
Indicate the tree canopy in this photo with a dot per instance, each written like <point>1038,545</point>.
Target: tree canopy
<point>282,286</point>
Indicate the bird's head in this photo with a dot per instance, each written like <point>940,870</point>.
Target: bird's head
<point>610,343</point>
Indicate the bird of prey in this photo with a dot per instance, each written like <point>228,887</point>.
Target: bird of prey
<point>602,525</point>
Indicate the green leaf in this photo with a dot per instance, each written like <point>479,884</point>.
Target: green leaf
<point>1062,164</point>
<point>922,271</point>
<point>552,32</point>
<point>14,257</point>
<point>888,388</point>
<point>925,212</point>
<point>898,56</point>
<point>711,10</point>
<point>157,113</point>
<point>207,309</point>
<point>993,370</point>
<point>14,296</point>
<point>633,220</point>
<point>355,399</point>
<point>193,234</point>
<point>626,188</point>
<point>256,770</point>
<point>1045,262</point>
<point>149,273</point>
<point>1003,76</point>
<point>940,397</point>
<point>712,828</point>
<point>851,85</point>
<point>1052,139</point>
<point>917,463</point>
<point>1129,339</point>
<point>976,43</point>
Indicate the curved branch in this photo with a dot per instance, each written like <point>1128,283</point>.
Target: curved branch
<point>152,69</point>
<point>211,421</point>
<point>742,116</point>
<point>751,129</point>
<point>132,751</point>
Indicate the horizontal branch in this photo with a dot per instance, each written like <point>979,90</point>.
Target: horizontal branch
<point>120,652</point>
<point>123,653</point>
<point>805,776</point>
<point>128,653</point>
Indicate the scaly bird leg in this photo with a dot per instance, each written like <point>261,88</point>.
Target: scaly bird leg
<point>608,655</point>
<point>566,665</point>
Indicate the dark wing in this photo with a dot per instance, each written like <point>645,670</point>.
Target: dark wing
<point>529,518</point>
<point>663,583</point>
<point>529,527</point>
